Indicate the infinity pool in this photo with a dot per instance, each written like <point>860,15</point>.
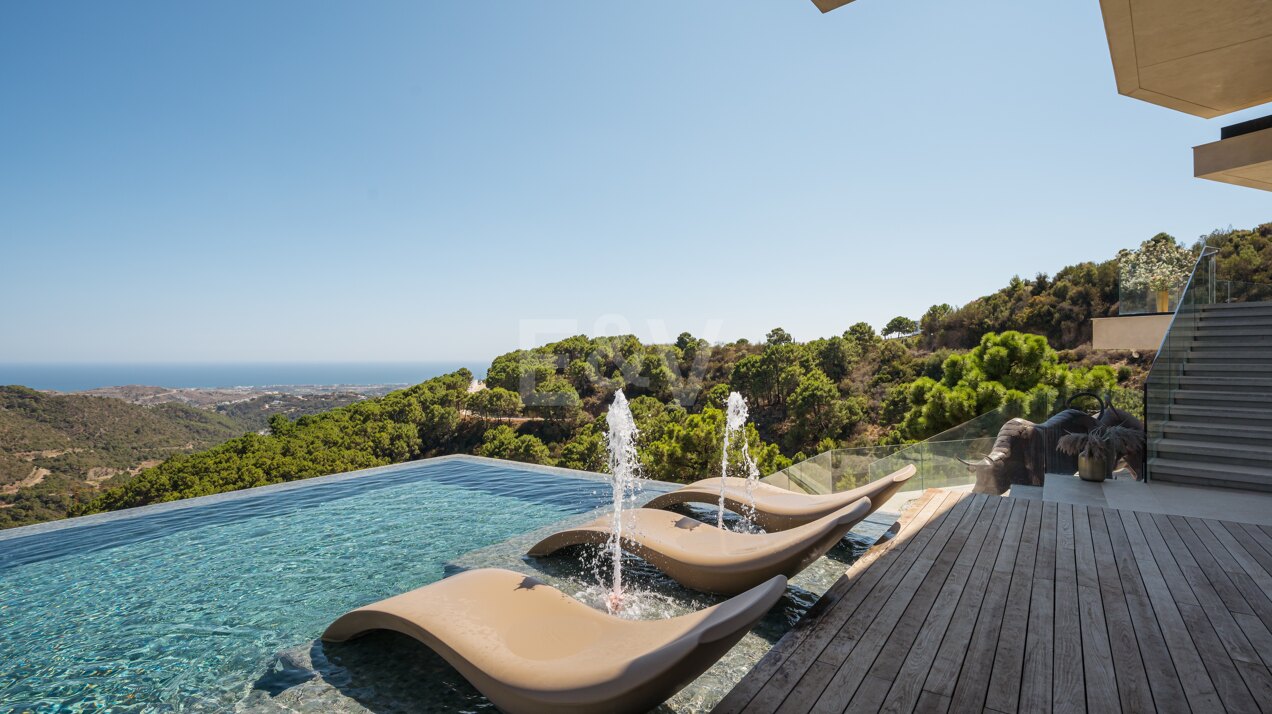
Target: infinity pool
<point>187,608</point>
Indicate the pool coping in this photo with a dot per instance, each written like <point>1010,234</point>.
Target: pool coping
<point>125,513</point>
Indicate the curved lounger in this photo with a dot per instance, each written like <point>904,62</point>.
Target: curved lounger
<point>777,509</point>
<point>703,557</point>
<point>531,648</point>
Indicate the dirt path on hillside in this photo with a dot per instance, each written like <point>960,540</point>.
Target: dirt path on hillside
<point>37,475</point>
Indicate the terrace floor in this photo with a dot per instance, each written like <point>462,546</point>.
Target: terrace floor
<point>999,604</point>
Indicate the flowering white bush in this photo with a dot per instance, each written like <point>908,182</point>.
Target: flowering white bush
<point>1159,264</point>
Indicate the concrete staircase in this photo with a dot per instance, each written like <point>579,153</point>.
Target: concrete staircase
<point>1218,429</point>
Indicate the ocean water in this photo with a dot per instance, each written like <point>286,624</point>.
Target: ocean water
<point>189,608</point>
<point>75,377</point>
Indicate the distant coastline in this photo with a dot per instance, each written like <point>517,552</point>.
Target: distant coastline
<point>82,376</point>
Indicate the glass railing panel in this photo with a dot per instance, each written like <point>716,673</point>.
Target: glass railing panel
<point>1138,295</point>
<point>938,464</point>
<point>1237,291</point>
<point>936,459</point>
<point>939,459</point>
<point>808,476</point>
<point>1168,367</point>
<point>1144,301</point>
<point>830,471</point>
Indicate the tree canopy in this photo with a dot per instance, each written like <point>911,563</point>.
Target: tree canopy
<point>1021,345</point>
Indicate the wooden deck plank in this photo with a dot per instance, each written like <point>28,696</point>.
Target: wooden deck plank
<point>811,686</point>
<point>1036,675</point>
<point>887,636</point>
<point>797,678</point>
<point>1199,690</point>
<point>930,703</point>
<point>907,688</point>
<point>1003,694</point>
<point>1219,638</point>
<point>1101,683</point>
<point>1209,583</point>
<point>1038,666</point>
<point>1224,557</point>
<point>943,673</point>
<point>818,614</point>
<point>1254,584</point>
<point>1254,546</point>
<point>1164,682</point>
<point>1067,682</point>
<point>1248,563</point>
<point>973,679</point>
<point>1259,680</point>
<point>1180,590</point>
<point>1045,563</point>
<point>1257,632</point>
<point>775,676</point>
<point>1212,569</point>
<point>1128,663</point>
<point>1008,605</point>
<point>1223,672</point>
<point>1257,535</point>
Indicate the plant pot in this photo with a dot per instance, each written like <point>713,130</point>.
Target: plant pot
<point>1163,301</point>
<point>1092,468</point>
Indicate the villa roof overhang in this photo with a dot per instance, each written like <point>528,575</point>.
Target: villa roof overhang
<point>1243,158</point>
<point>1206,58</point>
<point>828,5</point>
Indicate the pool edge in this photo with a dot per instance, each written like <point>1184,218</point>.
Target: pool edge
<point>106,517</point>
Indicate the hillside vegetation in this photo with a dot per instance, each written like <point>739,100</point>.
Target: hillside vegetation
<point>56,450</point>
<point>1023,344</point>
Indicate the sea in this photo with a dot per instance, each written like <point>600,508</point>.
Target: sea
<point>80,376</point>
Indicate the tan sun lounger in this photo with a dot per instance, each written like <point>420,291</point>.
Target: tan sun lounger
<point>703,557</point>
<point>777,509</point>
<point>531,648</point>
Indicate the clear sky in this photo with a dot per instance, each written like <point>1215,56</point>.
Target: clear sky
<point>249,181</point>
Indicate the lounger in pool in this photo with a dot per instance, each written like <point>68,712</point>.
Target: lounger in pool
<point>531,648</point>
<point>703,557</point>
<point>777,509</point>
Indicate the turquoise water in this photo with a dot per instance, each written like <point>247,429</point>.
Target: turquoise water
<point>183,610</point>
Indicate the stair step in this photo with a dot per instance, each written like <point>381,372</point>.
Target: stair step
<point>1231,307</point>
<point>1238,315</point>
<point>1235,361</point>
<point>1225,334</point>
<point>1226,384</point>
<point>1208,474</point>
<point>1201,368</point>
<point>1238,352</point>
<point>1249,400</point>
<point>1232,323</point>
<point>1258,455</point>
<point>1219,433</point>
<point>1221,414</point>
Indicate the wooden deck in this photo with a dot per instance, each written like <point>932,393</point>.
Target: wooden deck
<point>993,604</point>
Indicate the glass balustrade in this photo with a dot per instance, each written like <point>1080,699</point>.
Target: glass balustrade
<point>939,461</point>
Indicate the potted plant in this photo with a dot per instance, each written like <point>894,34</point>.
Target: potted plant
<point>1099,449</point>
<point>1159,266</point>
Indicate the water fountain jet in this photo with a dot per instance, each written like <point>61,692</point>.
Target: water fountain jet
<point>735,416</point>
<point>625,479</point>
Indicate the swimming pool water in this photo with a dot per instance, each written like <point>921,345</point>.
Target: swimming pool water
<point>183,609</point>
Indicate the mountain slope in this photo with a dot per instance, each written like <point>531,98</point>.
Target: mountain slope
<point>58,449</point>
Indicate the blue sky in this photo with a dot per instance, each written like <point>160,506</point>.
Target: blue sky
<point>437,181</point>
